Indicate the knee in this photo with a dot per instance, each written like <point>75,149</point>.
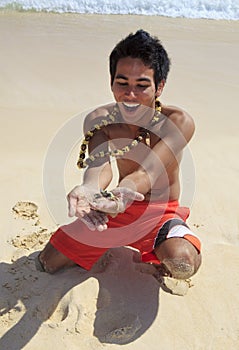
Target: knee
<point>178,268</point>
<point>182,266</point>
<point>180,259</point>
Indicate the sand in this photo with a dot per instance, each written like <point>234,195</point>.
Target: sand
<point>54,67</point>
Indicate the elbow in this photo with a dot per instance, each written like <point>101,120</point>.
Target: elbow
<point>147,178</point>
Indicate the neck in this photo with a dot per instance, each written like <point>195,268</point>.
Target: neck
<point>140,119</point>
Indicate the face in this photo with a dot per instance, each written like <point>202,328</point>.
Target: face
<point>134,87</point>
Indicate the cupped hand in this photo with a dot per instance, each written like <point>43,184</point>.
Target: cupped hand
<point>79,205</point>
<point>79,199</point>
<point>122,197</point>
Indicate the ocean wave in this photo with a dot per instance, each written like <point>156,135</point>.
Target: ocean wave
<point>211,9</point>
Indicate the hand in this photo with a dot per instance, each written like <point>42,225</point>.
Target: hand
<point>95,220</point>
<point>78,205</point>
<point>113,205</point>
<point>78,200</point>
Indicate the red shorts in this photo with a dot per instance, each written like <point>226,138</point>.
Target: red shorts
<point>141,226</point>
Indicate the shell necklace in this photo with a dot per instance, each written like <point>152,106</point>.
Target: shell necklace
<point>111,118</point>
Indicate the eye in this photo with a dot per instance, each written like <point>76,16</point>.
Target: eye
<point>122,83</point>
<point>143,86</point>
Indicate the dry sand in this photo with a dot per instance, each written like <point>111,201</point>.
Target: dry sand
<point>54,67</point>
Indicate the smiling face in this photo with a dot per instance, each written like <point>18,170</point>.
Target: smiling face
<point>134,87</point>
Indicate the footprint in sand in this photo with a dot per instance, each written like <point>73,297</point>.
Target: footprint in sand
<point>122,334</point>
<point>60,313</point>
<point>56,310</point>
<point>35,240</point>
<point>37,235</point>
<point>68,311</point>
<point>25,210</point>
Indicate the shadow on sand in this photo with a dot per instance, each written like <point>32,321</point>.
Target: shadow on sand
<point>125,307</point>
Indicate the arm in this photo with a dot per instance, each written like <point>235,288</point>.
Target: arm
<point>175,133</point>
<point>97,176</point>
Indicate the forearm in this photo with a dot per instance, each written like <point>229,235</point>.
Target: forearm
<point>138,181</point>
<point>143,179</point>
<point>174,135</point>
<point>98,177</point>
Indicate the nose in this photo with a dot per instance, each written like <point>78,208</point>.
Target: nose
<point>130,92</point>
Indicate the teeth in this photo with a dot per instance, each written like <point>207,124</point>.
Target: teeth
<point>131,105</point>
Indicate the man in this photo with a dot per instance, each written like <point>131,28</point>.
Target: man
<point>146,139</point>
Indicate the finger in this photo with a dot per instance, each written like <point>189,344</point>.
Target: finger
<point>102,205</point>
<point>95,220</point>
<point>109,206</point>
<point>101,227</point>
<point>82,210</point>
<point>88,222</point>
<point>103,219</point>
<point>99,220</point>
<point>113,215</point>
<point>138,196</point>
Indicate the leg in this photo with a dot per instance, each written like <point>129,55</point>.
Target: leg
<point>52,260</point>
<point>179,258</point>
<point>63,251</point>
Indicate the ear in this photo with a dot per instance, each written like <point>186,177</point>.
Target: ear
<point>160,88</point>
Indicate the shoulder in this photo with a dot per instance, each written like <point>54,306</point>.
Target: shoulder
<point>179,118</point>
<point>96,116</point>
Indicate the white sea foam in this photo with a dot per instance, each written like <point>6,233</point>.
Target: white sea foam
<point>212,9</point>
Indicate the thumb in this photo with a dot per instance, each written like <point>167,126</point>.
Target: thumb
<point>138,196</point>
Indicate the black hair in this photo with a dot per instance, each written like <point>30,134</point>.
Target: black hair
<point>145,47</point>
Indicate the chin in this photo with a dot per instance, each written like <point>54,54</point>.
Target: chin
<point>135,112</point>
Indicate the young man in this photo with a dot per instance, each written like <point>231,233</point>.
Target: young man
<point>146,139</point>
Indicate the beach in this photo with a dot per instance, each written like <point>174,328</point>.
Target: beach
<point>55,67</point>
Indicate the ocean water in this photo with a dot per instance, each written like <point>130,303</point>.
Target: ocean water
<point>212,9</point>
